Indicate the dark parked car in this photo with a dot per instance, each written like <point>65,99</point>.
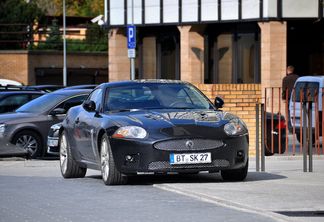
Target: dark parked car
<point>11,100</point>
<point>159,126</point>
<point>53,139</point>
<point>44,88</point>
<point>275,134</point>
<point>86,86</point>
<point>28,126</point>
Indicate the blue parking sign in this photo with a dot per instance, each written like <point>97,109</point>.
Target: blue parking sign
<point>131,36</point>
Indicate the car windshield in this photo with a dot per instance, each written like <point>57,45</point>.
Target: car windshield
<point>155,96</point>
<point>41,104</point>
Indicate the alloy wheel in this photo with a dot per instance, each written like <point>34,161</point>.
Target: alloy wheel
<point>63,153</point>
<point>29,143</point>
<point>104,159</point>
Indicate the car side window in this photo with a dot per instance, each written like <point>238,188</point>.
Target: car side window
<point>12,102</point>
<point>96,96</point>
<point>34,96</point>
<point>15,100</point>
<point>74,101</point>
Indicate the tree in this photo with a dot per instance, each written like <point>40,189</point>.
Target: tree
<point>54,39</point>
<point>49,7</point>
<point>85,8</point>
<point>16,21</point>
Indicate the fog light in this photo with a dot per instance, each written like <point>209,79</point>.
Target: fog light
<point>129,158</point>
<point>240,154</point>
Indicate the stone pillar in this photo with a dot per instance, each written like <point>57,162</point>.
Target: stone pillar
<point>149,58</point>
<point>192,53</point>
<point>273,57</point>
<point>118,61</point>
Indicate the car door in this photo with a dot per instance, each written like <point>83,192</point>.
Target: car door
<point>66,105</point>
<point>86,127</point>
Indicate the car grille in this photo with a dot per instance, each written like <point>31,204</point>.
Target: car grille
<point>164,165</point>
<point>180,145</point>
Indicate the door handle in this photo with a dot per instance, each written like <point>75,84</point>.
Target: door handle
<point>77,121</point>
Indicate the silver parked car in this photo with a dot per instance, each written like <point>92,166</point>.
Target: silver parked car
<point>28,126</point>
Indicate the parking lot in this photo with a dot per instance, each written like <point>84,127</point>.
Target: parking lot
<point>35,191</point>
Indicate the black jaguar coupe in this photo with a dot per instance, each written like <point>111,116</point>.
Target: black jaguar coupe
<point>152,126</point>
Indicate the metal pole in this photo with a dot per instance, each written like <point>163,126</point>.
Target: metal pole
<point>310,142</point>
<point>257,153</point>
<point>64,46</point>
<point>132,60</point>
<point>304,136</point>
<point>106,11</point>
<point>262,138</point>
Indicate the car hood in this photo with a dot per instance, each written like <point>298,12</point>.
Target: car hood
<point>15,117</point>
<point>175,123</point>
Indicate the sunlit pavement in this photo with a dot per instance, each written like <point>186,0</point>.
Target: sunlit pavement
<point>283,193</point>
<point>284,189</point>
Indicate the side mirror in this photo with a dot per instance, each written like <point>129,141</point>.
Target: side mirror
<point>90,106</point>
<point>219,102</point>
<point>58,111</point>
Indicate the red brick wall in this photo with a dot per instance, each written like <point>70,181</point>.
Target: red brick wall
<point>240,99</point>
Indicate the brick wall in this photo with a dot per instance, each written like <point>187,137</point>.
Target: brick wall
<point>20,65</point>
<point>14,66</point>
<point>240,99</point>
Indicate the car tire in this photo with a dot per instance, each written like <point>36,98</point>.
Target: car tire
<point>29,141</point>
<point>69,167</point>
<point>109,172</point>
<point>267,152</point>
<point>236,174</point>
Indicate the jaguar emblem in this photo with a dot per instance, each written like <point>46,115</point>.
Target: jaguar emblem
<point>189,144</point>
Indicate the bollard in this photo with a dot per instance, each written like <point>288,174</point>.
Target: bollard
<point>257,153</point>
<point>263,116</point>
<point>310,137</point>
<point>304,110</point>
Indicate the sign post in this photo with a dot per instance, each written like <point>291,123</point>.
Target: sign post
<point>131,45</point>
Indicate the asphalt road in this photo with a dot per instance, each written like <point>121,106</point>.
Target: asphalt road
<point>35,191</point>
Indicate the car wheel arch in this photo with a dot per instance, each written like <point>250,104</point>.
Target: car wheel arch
<point>26,129</point>
<point>99,138</point>
<point>40,152</point>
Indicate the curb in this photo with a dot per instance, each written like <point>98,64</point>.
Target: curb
<point>223,203</point>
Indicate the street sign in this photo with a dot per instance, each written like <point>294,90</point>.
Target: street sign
<point>131,37</point>
<point>131,53</point>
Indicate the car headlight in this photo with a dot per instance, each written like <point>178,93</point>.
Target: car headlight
<point>235,127</point>
<point>2,129</point>
<point>132,132</point>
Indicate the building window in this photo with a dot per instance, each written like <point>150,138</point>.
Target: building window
<point>224,56</point>
<point>247,62</point>
<point>232,54</point>
<point>160,53</point>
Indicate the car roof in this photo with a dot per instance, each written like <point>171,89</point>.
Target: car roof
<point>18,92</point>
<point>5,82</point>
<point>88,86</point>
<point>133,82</point>
<point>72,91</point>
<point>44,86</point>
<point>319,79</point>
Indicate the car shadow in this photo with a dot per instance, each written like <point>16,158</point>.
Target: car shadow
<point>193,178</point>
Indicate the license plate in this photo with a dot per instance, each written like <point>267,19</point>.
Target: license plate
<point>190,158</point>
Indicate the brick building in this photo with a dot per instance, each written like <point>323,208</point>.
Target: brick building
<point>232,48</point>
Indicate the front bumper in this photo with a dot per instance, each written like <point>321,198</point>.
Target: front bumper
<point>53,145</point>
<point>142,156</point>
